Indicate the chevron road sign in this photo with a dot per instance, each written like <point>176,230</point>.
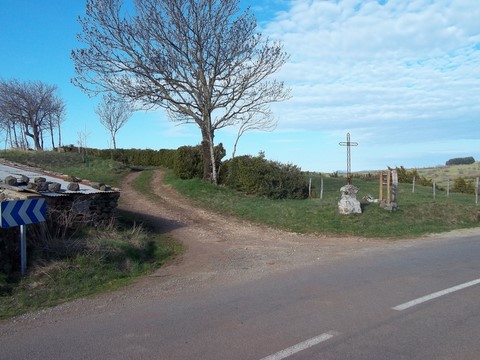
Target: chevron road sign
<point>22,212</point>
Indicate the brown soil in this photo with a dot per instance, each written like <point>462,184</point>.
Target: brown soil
<point>223,248</point>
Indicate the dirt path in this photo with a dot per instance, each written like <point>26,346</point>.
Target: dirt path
<point>222,248</point>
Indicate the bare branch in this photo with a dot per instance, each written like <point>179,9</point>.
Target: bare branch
<point>200,60</point>
<point>114,114</point>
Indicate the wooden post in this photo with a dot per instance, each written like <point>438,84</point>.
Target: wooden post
<point>310,188</point>
<point>380,192</point>
<point>413,185</point>
<point>388,186</point>
<point>448,187</point>
<point>434,188</point>
<point>476,193</point>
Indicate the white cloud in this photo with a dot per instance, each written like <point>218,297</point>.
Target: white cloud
<point>397,68</point>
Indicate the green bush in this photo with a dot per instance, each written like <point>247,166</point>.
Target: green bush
<point>132,157</point>
<point>407,176</point>
<point>188,162</point>
<point>257,176</point>
<point>461,161</point>
<point>463,186</point>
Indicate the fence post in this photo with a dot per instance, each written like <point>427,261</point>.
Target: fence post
<point>389,180</point>
<point>434,188</point>
<point>413,185</point>
<point>380,191</point>
<point>448,187</point>
<point>310,188</point>
<point>321,188</point>
<point>476,193</point>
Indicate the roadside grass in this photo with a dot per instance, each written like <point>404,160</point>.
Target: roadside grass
<point>92,260</point>
<point>94,169</point>
<point>98,261</point>
<point>418,213</point>
<point>143,184</point>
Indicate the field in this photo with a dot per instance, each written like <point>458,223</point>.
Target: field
<point>441,174</point>
<point>419,213</point>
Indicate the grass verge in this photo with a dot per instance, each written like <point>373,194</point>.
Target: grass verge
<point>98,261</point>
<point>418,213</point>
<point>94,169</point>
<point>92,261</point>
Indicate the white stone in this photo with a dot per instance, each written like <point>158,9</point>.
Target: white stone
<point>349,204</point>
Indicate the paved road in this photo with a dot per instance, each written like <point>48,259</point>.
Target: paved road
<point>356,307</point>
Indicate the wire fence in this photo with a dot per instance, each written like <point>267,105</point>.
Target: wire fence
<point>328,187</point>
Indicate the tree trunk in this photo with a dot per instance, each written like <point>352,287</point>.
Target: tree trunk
<point>36,139</point>
<point>209,166</point>
<point>214,163</point>
<point>59,133</point>
<point>52,136</point>
<point>35,135</point>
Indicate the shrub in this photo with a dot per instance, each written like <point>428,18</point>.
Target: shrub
<point>407,176</point>
<point>188,162</point>
<point>463,186</point>
<point>261,177</point>
<point>461,161</point>
<point>132,157</point>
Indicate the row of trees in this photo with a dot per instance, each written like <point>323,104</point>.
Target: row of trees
<point>203,61</point>
<point>29,113</point>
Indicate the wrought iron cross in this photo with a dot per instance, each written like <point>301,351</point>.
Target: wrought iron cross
<point>348,144</point>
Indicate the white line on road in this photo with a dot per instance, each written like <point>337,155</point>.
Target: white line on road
<point>301,346</point>
<point>435,295</point>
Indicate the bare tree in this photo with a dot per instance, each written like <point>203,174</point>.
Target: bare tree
<point>54,122</point>
<point>251,122</point>
<point>82,144</point>
<point>113,113</point>
<point>30,107</point>
<point>201,60</point>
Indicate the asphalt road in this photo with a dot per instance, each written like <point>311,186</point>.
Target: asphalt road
<point>356,307</point>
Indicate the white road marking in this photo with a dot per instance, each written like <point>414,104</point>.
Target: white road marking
<point>435,295</point>
<point>301,346</point>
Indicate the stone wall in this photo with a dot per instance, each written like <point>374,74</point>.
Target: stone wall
<point>96,209</point>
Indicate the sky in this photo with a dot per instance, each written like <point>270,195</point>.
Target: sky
<point>402,77</point>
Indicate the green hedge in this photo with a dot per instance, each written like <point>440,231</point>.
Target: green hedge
<point>188,162</point>
<point>132,157</point>
<point>250,174</point>
<point>261,177</point>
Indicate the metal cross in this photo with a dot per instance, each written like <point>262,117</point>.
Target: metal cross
<point>348,143</point>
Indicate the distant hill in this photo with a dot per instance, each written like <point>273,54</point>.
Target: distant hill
<point>441,174</point>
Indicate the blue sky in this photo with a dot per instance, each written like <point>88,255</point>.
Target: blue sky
<point>401,76</point>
